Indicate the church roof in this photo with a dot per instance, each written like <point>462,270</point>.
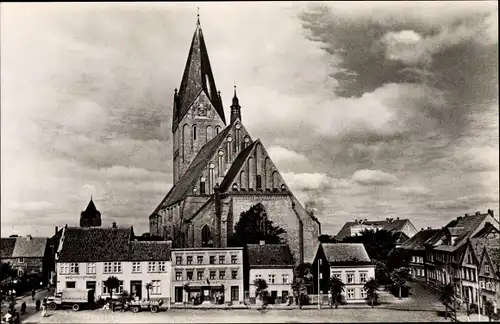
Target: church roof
<point>91,209</point>
<point>197,77</point>
<point>193,173</point>
<point>232,173</point>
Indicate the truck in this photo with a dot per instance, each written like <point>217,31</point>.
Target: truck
<point>76,298</point>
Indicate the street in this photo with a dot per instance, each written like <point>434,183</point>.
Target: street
<point>30,304</point>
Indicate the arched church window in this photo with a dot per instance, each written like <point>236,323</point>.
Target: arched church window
<point>209,134</point>
<point>235,187</point>
<point>206,237</point>
<point>274,180</point>
<point>242,179</point>
<point>194,133</point>
<point>202,186</point>
<point>251,173</point>
<point>228,149</point>
<point>217,130</point>
<point>220,163</point>
<point>283,187</point>
<point>211,176</point>
<point>258,181</point>
<point>247,141</point>
<point>185,139</point>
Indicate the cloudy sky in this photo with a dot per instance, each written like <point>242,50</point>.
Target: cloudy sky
<point>371,111</point>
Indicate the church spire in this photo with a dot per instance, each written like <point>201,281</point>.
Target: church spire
<point>235,108</point>
<point>197,77</point>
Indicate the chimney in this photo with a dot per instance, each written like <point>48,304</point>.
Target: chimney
<point>29,237</point>
<point>459,217</point>
<point>478,213</point>
<point>262,242</point>
<point>57,230</point>
<point>114,225</point>
<point>466,215</point>
<point>429,227</point>
<point>490,211</point>
<point>422,229</point>
<point>397,218</point>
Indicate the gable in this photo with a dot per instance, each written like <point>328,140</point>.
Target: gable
<point>487,263</point>
<point>469,255</point>
<point>202,109</point>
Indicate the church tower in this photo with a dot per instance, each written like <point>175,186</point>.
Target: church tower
<point>91,217</point>
<point>198,114</point>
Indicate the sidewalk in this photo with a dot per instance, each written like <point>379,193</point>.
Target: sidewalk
<point>473,318</point>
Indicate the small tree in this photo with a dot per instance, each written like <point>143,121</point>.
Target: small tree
<point>336,289</point>
<point>399,277</point>
<point>371,287</point>
<point>112,283</point>
<point>260,289</point>
<point>446,297</point>
<point>302,279</point>
<point>489,308</point>
<point>149,285</point>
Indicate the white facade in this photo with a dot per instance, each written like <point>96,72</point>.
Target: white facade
<point>279,281</point>
<point>133,276</point>
<point>354,278</point>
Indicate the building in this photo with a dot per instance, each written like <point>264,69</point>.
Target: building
<point>88,256</point>
<point>349,262</point>
<point>273,263</point>
<point>90,216</point>
<point>27,255</point>
<point>221,171</point>
<point>397,225</point>
<point>212,274</point>
<point>416,250</point>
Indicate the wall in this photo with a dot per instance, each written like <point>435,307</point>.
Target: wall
<point>126,276</point>
<point>278,284</point>
<point>357,285</point>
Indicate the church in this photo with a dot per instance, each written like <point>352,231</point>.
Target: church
<point>220,171</point>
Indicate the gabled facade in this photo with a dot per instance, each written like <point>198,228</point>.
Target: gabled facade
<point>415,247</point>
<point>403,226</point>
<point>220,171</point>
<point>489,277</point>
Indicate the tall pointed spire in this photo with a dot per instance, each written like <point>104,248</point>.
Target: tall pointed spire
<point>197,77</point>
<point>235,108</point>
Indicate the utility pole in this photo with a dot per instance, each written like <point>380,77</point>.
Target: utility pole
<point>319,277</point>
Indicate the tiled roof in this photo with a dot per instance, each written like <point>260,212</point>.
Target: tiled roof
<point>269,255</point>
<point>391,226</point>
<point>345,253</point>
<point>418,240</point>
<point>455,231</point>
<point>95,244</point>
<point>27,247</point>
<point>232,173</point>
<point>7,247</point>
<point>478,245</point>
<point>149,251</point>
<point>492,247</point>
<point>488,227</point>
<point>193,173</point>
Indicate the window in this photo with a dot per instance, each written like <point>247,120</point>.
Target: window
<point>105,289</point>
<point>200,259</point>
<point>212,259</point>
<point>21,260</point>
<point>362,277</point>
<point>350,293</point>
<point>178,276</point>
<point>70,284</point>
<point>194,132</point>
<point>487,269</point>
<point>199,275</point>
<point>234,274</point>
<point>162,266</point>
<point>90,268</point>
<point>155,287</point>
<point>178,260</point>
<point>350,278</point>
<point>258,182</point>
<point>220,163</point>
<point>190,275</point>
<point>363,293</point>
<point>222,274</point>
<point>222,259</point>
<point>151,266</point>
<point>271,278</point>
<point>234,259</point>
<point>258,276</point>
<point>117,267</point>
<point>206,237</point>
<point>189,260</point>
<point>64,268</point>
<point>285,278</point>
<point>202,186</point>
<point>469,259</point>
<point>235,293</point>
<point>482,284</point>
<point>212,275</point>
<point>74,268</point>
<point>120,287</point>
<point>336,275</point>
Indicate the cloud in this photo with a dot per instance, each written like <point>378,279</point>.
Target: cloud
<point>373,177</point>
<point>414,190</point>
<point>403,46</point>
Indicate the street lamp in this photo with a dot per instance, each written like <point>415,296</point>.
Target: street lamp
<point>319,287</point>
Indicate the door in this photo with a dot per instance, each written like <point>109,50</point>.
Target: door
<point>274,295</point>
<point>90,285</point>
<point>284,296</point>
<point>136,289</point>
<point>178,294</point>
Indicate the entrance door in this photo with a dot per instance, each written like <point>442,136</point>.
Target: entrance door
<point>90,285</point>
<point>136,289</point>
<point>178,294</point>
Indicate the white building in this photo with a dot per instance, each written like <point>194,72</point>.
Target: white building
<point>350,262</point>
<point>87,257</point>
<point>273,263</point>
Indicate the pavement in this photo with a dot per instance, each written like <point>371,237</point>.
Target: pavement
<point>30,304</point>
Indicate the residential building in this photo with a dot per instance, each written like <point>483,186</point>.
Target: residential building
<point>88,256</point>
<point>27,255</point>
<point>416,250</point>
<point>273,263</point>
<point>220,171</point>
<point>397,225</point>
<point>212,274</point>
<point>350,262</point>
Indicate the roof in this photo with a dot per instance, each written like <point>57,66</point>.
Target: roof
<point>487,229</point>
<point>345,253</point>
<point>30,247</point>
<point>394,225</point>
<point>91,209</point>
<point>269,255</point>
<point>7,247</point>
<point>193,173</point>
<point>232,173</point>
<point>197,77</point>
<point>478,245</point>
<point>149,251</point>
<point>95,244</point>
<point>418,240</point>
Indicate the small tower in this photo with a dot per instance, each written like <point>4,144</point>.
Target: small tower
<point>91,217</point>
<point>235,108</point>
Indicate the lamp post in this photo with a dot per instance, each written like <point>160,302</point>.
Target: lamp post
<point>319,277</point>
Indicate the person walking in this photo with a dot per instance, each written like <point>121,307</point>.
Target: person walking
<point>44,310</point>
<point>33,293</point>
<point>37,305</point>
<point>23,308</point>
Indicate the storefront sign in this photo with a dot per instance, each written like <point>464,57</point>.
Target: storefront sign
<point>79,277</point>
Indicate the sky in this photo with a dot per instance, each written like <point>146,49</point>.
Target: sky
<point>385,109</point>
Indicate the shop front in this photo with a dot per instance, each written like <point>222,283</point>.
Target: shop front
<point>213,294</point>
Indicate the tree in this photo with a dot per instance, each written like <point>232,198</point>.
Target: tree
<point>371,287</point>
<point>378,243</point>
<point>254,226</point>
<point>112,283</point>
<point>489,309</point>
<point>302,279</point>
<point>149,285</point>
<point>446,296</point>
<point>336,289</point>
<point>260,289</point>
<point>325,238</point>
<point>399,277</point>
<point>397,258</point>
<point>382,273</point>
<point>7,271</point>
